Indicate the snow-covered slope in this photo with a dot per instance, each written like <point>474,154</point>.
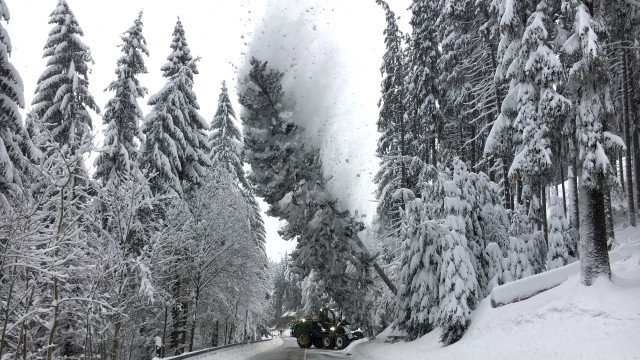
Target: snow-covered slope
<point>570,321</point>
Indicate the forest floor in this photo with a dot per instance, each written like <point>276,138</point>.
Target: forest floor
<point>570,321</point>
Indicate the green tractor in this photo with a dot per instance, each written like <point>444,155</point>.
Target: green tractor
<point>327,331</point>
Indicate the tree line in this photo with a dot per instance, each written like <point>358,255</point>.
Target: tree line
<point>164,240</point>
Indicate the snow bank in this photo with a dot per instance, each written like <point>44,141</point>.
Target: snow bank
<point>532,285</point>
<point>569,321</point>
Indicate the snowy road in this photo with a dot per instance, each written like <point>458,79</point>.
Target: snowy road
<point>290,350</point>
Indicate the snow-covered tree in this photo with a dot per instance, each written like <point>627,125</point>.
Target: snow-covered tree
<point>175,148</point>
<point>287,173</point>
<point>226,146</point>
<point>558,254</point>
<point>418,294</point>
<point>393,172</point>
<point>62,100</point>
<point>122,113</point>
<point>13,136</point>
<point>587,85</point>
<point>422,114</point>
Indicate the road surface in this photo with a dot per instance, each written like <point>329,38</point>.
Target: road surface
<point>290,350</point>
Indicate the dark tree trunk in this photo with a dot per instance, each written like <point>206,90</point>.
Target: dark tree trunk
<point>543,210</point>
<point>214,336</point>
<point>594,258</point>
<point>575,210</point>
<point>564,191</point>
<point>628,140</point>
<point>611,236</point>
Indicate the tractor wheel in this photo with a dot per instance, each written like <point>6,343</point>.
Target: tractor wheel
<point>329,341</point>
<point>304,340</point>
<point>317,342</point>
<point>341,342</point>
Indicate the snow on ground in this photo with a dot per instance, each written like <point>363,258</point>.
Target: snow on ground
<point>242,352</point>
<point>570,321</point>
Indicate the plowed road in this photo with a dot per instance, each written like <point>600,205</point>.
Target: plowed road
<point>290,350</point>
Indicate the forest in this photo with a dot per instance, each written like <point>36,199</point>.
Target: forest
<point>508,146</point>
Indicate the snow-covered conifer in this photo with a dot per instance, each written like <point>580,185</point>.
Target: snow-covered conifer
<point>458,283</point>
<point>421,111</point>
<point>587,85</point>
<point>418,294</point>
<point>288,174</point>
<point>12,132</point>
<point>226,146</point>
<point>62,100</point>
<point>122,113</point>
<point>558,254</point>
<point>175,148</point>
<point>393,172</point>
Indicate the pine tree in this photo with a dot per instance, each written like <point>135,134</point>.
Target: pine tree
<point>587,85</point>
<point>122,113</point>
<point>175,148</point>
<point>288,174</point>
<point>422,114</point>
<point>226,146</point>
<point>558,254</point>
<point>418,295</point>
<point>459,287</point>
<point>62,97</point>
<point>12,132</point>
<point>393,172</point>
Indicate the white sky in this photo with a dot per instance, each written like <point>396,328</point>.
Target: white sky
<point>219,31</point>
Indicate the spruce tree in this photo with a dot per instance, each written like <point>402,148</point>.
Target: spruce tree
<point>558,254</point>
<point>226,146</point>
<point>418,295</point>
<point>175,149</point>
<point>588,87</point>
<point>12,132</point>
<point>393,172</point>
<point>287,173</point>
<point>122,113</point>
<point>62,100</point>
<point>422,113</point>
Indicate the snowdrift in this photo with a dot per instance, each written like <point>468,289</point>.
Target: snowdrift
<point>547,316</point>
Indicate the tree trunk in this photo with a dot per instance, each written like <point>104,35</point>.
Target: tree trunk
<point>214,337</point>
<point>7,310</point>
<point>164,330</point>
<point>574,217</point>
<point>193,322</point>
<point>611,236</point>
<point>117,324</point>
<point>543,210</point>
<point>594,258</point>
<point>56,308</point>
<point>564,192</point>
<point>628,140</point>
<point>377,267</point>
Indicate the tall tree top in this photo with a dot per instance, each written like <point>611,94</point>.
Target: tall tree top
<point>62,95</point>
<point>133,46</point>
<point>122,113</point>
<point>225,139</point>
<point>181,54</point>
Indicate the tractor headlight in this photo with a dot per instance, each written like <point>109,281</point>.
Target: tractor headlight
<point>333,328</point>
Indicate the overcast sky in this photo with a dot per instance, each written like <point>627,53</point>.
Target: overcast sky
<point>309,37</point>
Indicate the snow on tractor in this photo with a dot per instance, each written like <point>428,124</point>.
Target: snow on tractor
<point>327,331</point>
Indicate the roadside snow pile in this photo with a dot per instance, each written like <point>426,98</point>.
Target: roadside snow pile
<point>569,321</point>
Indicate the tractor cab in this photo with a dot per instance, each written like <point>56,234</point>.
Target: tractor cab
<point>327,316</point>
